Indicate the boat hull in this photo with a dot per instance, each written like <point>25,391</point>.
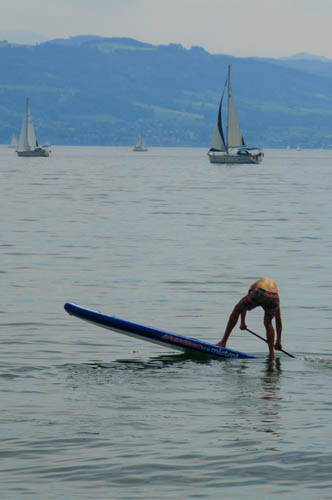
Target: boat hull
<point>34,153</point>
<point>170,340</point>
<point>232,159</point>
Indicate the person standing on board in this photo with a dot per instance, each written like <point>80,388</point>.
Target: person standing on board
<point>264,293</point>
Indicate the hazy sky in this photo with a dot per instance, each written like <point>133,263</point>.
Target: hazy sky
<point>272,28</point>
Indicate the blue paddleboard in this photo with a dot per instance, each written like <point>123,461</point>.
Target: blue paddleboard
<point>166,339</point>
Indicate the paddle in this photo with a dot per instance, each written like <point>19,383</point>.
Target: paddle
<point>262,338</point>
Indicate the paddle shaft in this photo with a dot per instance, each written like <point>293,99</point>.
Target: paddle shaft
<point>262,338</point>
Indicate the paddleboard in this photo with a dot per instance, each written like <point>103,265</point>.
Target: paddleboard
<point>167,339</point>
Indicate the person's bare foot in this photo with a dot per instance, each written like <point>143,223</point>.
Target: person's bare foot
<point>221,344</point>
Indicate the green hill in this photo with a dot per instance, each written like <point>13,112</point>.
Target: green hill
<point>96,91</point>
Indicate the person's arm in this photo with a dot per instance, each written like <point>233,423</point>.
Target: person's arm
<point>243,325</point>
<point>278,345</point>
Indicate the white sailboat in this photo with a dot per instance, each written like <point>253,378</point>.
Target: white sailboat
<point>27,144</point>
<point>140,144</point>
<point>13,142</point>
<point>233,149</point>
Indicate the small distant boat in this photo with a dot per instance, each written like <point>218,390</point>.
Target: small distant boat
<point>233,149</point>
<point>140,144</point>
<point>13,142</point>
<point>27,144</point>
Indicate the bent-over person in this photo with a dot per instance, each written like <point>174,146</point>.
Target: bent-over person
<point>264,293</point>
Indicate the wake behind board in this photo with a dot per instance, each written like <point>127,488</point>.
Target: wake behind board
<point>161,337</point>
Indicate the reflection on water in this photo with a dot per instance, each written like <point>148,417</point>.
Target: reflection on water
<point>273,370</point>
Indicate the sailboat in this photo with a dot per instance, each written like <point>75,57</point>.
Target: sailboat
<point>140,144</point>
<point>27,144</point>
<point>13,142</point>
<point>233,149</point>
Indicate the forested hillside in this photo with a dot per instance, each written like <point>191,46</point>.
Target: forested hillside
<point>95,91</point>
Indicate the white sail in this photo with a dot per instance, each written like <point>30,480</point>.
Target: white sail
<point>140,141</point>
<point>23,140</point>
<point>234,134</point>
<point>140,144</point>
<point>13,141</point>
<point>27,139</point>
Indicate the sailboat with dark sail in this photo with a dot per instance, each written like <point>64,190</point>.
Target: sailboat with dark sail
<point>233,148</point>
<point>27,144</point>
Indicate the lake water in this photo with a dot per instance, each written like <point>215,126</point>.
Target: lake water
<point>165,239</point>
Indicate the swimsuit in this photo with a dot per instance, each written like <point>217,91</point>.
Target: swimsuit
<point>269,301</point>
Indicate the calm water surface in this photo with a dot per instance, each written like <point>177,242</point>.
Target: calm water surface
<point>168,240</point>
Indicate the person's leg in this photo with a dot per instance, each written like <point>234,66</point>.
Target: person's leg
<point>230,325</point>
<point>269,334</point>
